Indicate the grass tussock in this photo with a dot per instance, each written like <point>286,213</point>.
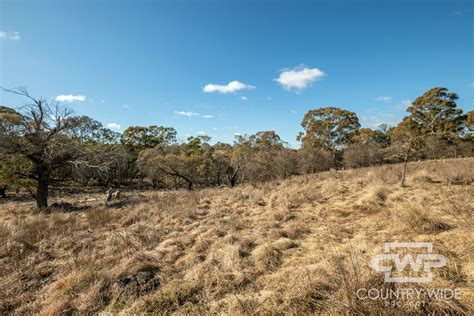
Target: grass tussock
<point>417,217</point>
<point>267,257</point>
<point>299,246</point>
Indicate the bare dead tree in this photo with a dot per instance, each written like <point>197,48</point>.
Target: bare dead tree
<point>39,131</point>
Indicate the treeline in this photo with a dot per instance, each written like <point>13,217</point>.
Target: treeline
<point>42,143</point>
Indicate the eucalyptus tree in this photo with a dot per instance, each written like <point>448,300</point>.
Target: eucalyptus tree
<point>329,128</point>
<point>436,113</point>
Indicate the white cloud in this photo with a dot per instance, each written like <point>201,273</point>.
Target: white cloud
<point>70,98</point>
<point>113,126</point>
<point>371,121</point>
<point>375,121</point>
<point>384,99</point>
<point>15,36</point>
<point>228,127</point>
<point>299,77</point>
<point>184,113</point>
<point>294,112</point>
<point>243,98</point>
<point>208,116</point>
<point>404,104</point>
<point>231,87</point>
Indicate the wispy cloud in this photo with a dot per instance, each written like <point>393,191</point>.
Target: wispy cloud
<point>383,98</point>
<point>243,98</point>
<point>15,36</point>
<point>113,126</point>
<point>299,78</point>
<point>186,113</point>
<point>70,98</point>
<point>227,127</point>
<point>404,104</point>
<point>231,87</point>
<point>375,121</point>
<point>191,114</point>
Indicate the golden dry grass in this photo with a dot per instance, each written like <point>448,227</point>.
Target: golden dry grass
<point>302,245</point>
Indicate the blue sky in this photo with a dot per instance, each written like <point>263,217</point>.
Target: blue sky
<point>170,62</point>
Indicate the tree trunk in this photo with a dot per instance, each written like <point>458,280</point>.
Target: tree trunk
<point>3,189</point>
<point>233,181</point>
<point>336,159</point>
<point>405,163</point>
<point>218,177</point>
<point>233,177</point>
<point>42,190</point>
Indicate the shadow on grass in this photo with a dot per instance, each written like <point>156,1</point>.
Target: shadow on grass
<point>67,207</point>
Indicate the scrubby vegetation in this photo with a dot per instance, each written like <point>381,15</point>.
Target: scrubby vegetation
<point>43,145</point>
<point>300,245</point>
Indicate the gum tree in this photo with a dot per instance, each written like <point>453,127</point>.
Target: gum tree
<point>329,128</point>
<point>436,113</point>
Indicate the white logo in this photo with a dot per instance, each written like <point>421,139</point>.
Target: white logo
<point>426,260</point>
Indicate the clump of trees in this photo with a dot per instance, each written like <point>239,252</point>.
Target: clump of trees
<point>330,129</point>
<point>42,143</point>
<point>366,147</point>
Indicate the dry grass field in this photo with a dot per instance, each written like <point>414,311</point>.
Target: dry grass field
<point>302,245</point>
